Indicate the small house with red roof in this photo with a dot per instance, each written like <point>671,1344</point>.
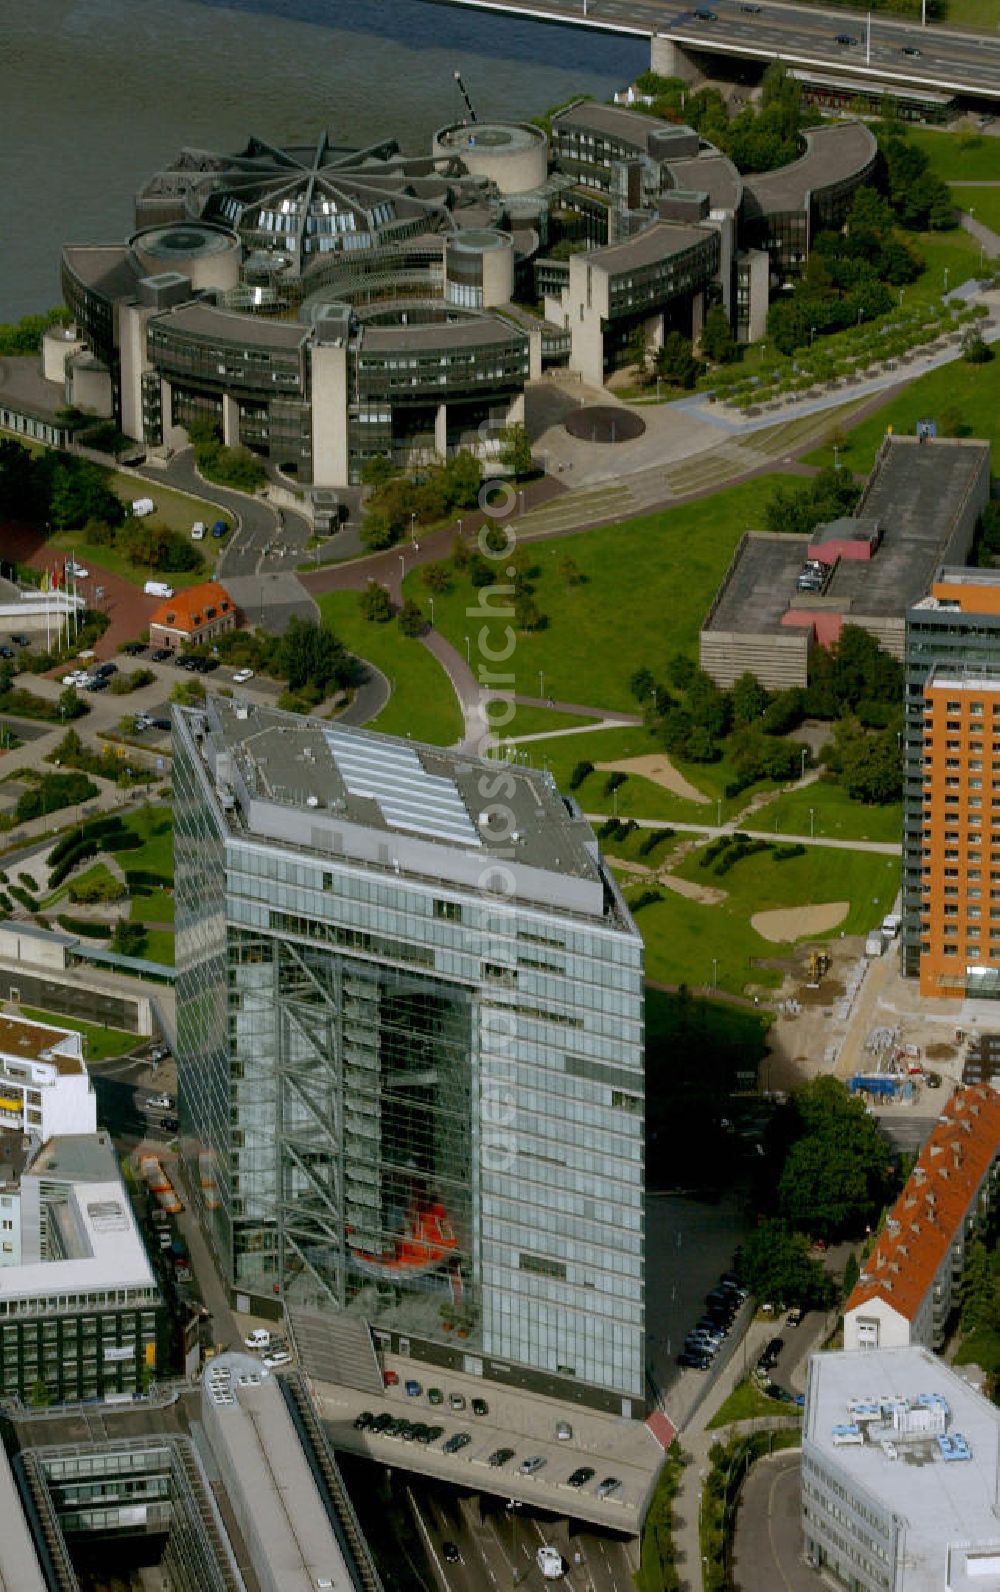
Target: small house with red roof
<point>910,1282</point>
<point>191,617</point>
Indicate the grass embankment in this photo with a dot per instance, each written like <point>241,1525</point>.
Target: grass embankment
<point>960,156</point>
<point>747,1403</point>
<point>100,1043</point>
<point>423,702</point>
<point>647,585</point>
<point>963,398</point>
<point>834,815</point>
<point>704,944</point>
<point>984,203</point>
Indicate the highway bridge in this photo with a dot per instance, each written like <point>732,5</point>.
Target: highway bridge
<point>890,52</point>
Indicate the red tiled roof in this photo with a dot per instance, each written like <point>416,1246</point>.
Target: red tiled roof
<point>925,1218</point>
<point>186,610</point>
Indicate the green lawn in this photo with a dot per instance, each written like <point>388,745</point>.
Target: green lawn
<point>835,815</point>
<point>423,703</point>
<point>984,201</point>
<point>89,876</point>
<point>683,938</point>
<point>961,156</point>
<point>956,394</point>
<point>745,1403</point>
<point>159,947</point>
<point>638,797</point>
<point>955,252</point>
<point>156,855</point>
<point>649,582</point>
<point>157,907</point>
<point>541,721</point>
<point>100,1044</point>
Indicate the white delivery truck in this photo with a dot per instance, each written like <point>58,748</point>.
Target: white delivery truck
<point>158,588</point>
<point>141,507</point>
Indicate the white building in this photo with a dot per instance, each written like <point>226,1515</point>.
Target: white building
<point>900,1474</point>
<point>82,1312</point>
<point>45,1088</point>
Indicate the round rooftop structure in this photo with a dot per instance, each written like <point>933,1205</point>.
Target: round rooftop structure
<point>208,255</point>
<point>514,155</point>
<point>479,268</point>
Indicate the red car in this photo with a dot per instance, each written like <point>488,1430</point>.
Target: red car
<point>390,1378</point>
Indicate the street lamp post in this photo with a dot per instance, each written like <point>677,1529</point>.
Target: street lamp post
<point>805,754</point>
<point>946,279</point>
<point>812,334</point>
<point>402,567</point>
<point>460,525</point>
<point>541,683</point>
<point>468,652</point>
<point>413,527</point>
<point>430,601</point>
<point>812,823</point>
<point>718,812</point>
<point>715,972</point>
<point>836,456</point>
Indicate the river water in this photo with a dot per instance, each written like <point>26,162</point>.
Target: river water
<point>95,95</point>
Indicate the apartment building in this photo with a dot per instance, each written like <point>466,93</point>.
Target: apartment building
<point>951,791</point>
<point>909,1286</point>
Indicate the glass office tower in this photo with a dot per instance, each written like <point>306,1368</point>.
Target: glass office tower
<point>410,1047</point>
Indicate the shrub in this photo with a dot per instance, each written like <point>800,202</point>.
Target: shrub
<point>579,774</point>
<point>94,931</point>
<point>52,792</point>
<point>645,899</point>
<point>614,782</point>
<point>786,853</point>
<point>655,838</point>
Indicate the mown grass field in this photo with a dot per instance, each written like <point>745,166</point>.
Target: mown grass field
<point>834,815</point>
<point>423,703</point>
<point>100,1043</point>
<point>715,945</point>
<point>959,396</point>
<point>647,586</point>
<point>984,203</point>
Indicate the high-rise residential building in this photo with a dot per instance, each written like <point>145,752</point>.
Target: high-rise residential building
<point>951,796</point>
<point>410,1049</point>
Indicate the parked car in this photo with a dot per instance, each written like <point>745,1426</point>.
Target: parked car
<point>20,641</point>
<point>460,1440</point>
<point>435,1396</point>
<point>500,1456</point>
<point>772,1352</point>
<point>564,1431</point>
<point>6,652</point>
<point>390,1378</point>
<point>457,1401</point>
<point>259,1338</point>
<point>198,531</point>
<point>794,1317</point>
<point>480,1407</point>
<point>413,1389</point>
<point>104,671</point>
<point>580,1477</point>
<point>242,676</point>
<point>692,1360</point>
<point>134,649</point>
<point>220,528</point>
<point>169,1124</point>
<point>159,724</point>
<point>450,1553</point>
<point>609,1485</point>
<point>160,654</point>
<point>530,1467</point>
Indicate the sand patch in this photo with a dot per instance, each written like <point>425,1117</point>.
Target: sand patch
<point>657,767</point>
<point>705,893</point>
<point>791,923</point>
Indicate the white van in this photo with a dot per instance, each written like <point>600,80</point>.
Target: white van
<point>550,1562</point>
<point>198,531</point>
<point>158,588</point>
<point>142,506</point>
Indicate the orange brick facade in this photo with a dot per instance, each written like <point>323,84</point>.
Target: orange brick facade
<point>960,907</point>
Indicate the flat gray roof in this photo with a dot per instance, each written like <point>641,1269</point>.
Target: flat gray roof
<point>615,121</point>
<point>36,932</point>
<point>264,1455</point>
<point>205,320</point>
<point>916,494</point>
<point>945,1504</point>
<point>107,267</point>
<point>832,155</point>
<point>656,243</point>
<point>23,387</point>
<point>20,1570</point>
<point>398,786</point>
<point>710,172</point>
<point>462,333</point>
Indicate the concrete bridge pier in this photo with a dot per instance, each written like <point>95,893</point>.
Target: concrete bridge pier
<point>670,60</point>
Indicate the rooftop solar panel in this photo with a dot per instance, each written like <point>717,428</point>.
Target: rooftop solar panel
<point>407,795</point>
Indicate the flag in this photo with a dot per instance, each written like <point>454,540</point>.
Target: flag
<point>45,580</point>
